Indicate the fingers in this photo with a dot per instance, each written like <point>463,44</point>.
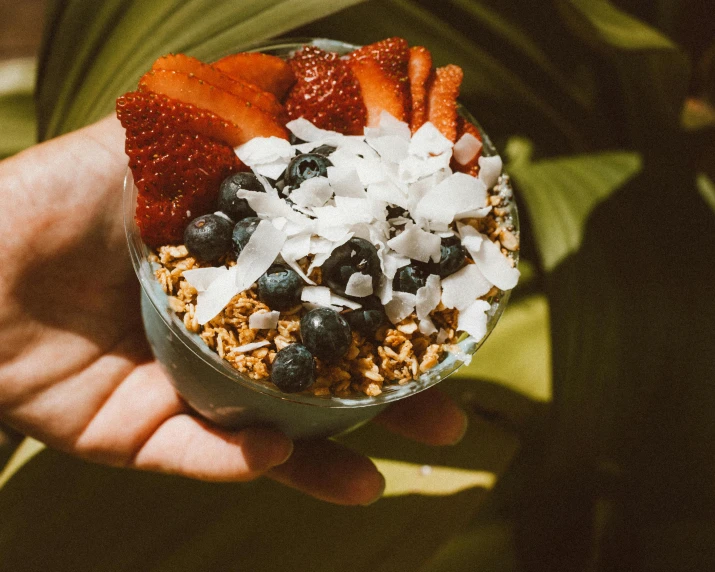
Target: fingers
<point>430,417</point>
<point>189,446</point>
<point>331,472</point>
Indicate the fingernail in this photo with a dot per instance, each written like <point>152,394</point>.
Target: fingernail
<point>380,493</point>
<point>463,429</point>
<point>281,452</point>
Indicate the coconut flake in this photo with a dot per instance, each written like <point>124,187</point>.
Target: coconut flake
<point>471,238</point>
<point>473,319</point>
<point>390,125</point>
<point>390,147</point>
<point>489,170</point>
<point>495,266</point>
<point>263,320</point>
<point>390,261</point>
<point>305,130</point>
<point>460,289</point>
<point>427,326</point>
<point>400,306</point>
<point>466,148</point>
<point>345,182</point>
<point>428,140</point>
<point>336,301</point>
<point>384,290</point>
<point>415,243</point>
<point>319,295</point>
<point>259,253</point>
<point>428,296</point>
<point>267,156</point>
<point>359,285</point>
<point>456,194</point>
<point>442,336</point>
<point>249,347</point>
<point>201,278</point>
<point>217,296</point>
<point>313,192</point>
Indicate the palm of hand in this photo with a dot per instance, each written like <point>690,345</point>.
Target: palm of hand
<point>75,368</point>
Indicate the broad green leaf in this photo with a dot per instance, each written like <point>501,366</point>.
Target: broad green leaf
<point>118,41</point>
<point>651,73</point>
<point>706,188</point>
<point>17,109</point>
<point>562,193</point>
<point>517,354</point>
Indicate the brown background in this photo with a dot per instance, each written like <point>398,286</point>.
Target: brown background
<point>20,27</point>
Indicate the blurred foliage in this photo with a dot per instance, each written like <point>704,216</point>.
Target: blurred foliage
<point>593,400</point>
<point>17,110</point>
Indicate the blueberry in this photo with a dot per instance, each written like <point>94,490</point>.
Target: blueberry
<point>304,167</point>
<point>452,256</point>
<point>293,369</point>
<point>242,232</point>
<point>280,287</point>
<point>324,150</point>
<point>228,203</point>
<point>411,278</point>
<point>208,237</point>
<point>356,255</point>
<point>369,318</point>
<point>325,333</point>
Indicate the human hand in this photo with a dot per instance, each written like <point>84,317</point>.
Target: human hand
<point>76,371</point>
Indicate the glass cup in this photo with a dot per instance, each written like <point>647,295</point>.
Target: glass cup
<point>223,395</point>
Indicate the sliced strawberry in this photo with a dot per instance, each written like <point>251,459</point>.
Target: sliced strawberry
<point>382,71</point>
<point>249,120</point>
<point>269,73</point>
<point>188,65</point>
<point>325,92</point>
<point>177,169</point>
<point>419,71</point>
<point>472,167</point>
<point>442,100</point>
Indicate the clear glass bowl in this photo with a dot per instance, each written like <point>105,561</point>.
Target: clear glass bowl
<point>225,396</point>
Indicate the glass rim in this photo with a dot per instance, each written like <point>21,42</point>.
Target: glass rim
<point>144,269</point>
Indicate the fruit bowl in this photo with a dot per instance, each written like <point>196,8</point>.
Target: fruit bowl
<point>223,395</point>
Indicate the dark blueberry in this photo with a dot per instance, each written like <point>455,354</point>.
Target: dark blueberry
<point>280,287</point>
<point>208,237</point>
<point>293,369</point>
<point>242,232</point>
<point>452,256</point>
<point>324,150</point>
<point>369,318</point>
<point>304,167</point>
<point>228,203</point>
<point>356,255</point>
<point>411,278</point>
<point>325,333</point>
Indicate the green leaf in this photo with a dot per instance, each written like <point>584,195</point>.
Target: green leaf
<point>17,109</point>
<point>652,73</point>
<point>562,193</point>
<point>119,40</point>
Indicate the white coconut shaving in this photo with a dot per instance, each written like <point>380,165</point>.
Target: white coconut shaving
<point>400,306</point>
<point>428,297</point>
<point>460,289</point>
<point>417,244</point>
<point>250,347</point>
<point>264,320</point>
<point>386,167</point>
<point>466,148</point>
<point>473,319</point>
<point>359,285</point>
